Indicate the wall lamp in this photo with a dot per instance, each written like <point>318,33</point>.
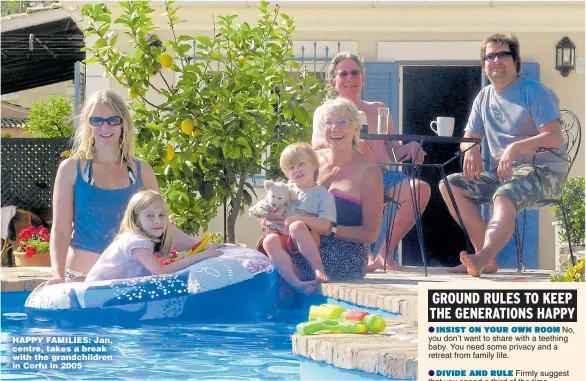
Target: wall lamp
<point>565,56</point>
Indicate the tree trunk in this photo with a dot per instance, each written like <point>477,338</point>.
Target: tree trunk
<point>233,215</point>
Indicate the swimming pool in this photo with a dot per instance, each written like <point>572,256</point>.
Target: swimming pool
<point>247,351</point>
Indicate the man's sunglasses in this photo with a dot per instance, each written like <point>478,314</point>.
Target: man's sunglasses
<point>499,55</point>
<point>112,121</point>
<point>353,73</point>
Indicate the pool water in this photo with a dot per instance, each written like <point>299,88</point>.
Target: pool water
<point>172,351</point>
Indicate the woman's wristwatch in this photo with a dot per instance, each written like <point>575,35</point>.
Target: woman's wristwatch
<point>334,230</point>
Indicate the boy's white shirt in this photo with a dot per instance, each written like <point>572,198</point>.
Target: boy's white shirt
<point>313,201</point>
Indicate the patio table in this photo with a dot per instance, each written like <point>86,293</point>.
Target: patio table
<point>412,170</point>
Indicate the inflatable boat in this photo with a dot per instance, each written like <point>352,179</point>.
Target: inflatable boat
<point>240,284</point>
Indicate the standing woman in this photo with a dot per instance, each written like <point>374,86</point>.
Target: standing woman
<point>93,187</point>
<point>346,75</point>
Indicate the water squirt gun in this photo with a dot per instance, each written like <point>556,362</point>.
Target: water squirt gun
<point>200,245</point>
<point>373,323</point>
<point>332,326</point>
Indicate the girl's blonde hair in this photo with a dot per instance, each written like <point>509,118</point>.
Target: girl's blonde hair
<point>130,223</point>
<point>84,143</point>
<point>296,152</point>
<point>344,107</point>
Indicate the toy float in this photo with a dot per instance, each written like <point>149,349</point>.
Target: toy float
<point>240,284</point>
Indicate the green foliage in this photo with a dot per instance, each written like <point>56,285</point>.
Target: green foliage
<point>573,198</point>
<point>38,244</point>
<point>7,135</point>
<point>216,238</point>
<point>574,274</point>
<point>51,120</point>
<point>239,87</point>
<point>11,7</point>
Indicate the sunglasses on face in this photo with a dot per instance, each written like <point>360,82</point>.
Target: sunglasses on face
<point>99,121</point>
<point>332,123</point>
<point>499,55</point>
<point>353,73</point>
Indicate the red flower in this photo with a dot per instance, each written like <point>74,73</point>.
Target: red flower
<point>30,251</point>
<point>33,240</point>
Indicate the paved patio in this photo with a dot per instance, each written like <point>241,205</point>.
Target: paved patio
<point>393,353</point>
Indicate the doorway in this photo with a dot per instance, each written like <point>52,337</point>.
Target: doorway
<point>429,92</point>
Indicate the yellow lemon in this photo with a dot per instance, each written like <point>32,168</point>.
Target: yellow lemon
<point>196,131</point>
<point>170,152</point>
<point>187,126</point>
<point>166,60</point>
<point>132,94</point>
<point>242,60</point>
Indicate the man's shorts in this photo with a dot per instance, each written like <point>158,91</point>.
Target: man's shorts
<point>527,189</point>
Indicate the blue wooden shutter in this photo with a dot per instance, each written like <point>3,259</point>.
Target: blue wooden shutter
<point>382,84</point>
<point>508,256</point>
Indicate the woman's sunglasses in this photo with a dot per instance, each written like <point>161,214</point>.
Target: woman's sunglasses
<point>491,56</point>
<point>353,73</point>
<point>330,124</point>
<point>112,121</point>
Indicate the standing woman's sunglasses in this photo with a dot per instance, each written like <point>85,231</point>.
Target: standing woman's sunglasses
<point>353,73</point>
<point>112,121</point>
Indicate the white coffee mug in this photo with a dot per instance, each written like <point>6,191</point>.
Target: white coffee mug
<point>444,126</point>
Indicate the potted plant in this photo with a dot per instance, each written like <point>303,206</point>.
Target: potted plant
<point>574,198</point>
<point>32,249</point>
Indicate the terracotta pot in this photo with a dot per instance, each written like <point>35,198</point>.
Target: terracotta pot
<point>42,259</point>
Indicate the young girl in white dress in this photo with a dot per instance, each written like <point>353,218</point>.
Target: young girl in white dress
<point>144,231</point>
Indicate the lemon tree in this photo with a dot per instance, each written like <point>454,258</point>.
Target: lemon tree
<point>237,100</point>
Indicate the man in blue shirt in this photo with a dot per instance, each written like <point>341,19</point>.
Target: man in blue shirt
<point>516,116</point>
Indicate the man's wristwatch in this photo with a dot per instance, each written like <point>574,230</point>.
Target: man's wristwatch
<point>334,230</point>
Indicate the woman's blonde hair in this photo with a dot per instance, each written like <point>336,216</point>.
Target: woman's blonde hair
<point>296,152</point>
<point>344,107</point>
<point>84,142</point>
<point>130,223</point>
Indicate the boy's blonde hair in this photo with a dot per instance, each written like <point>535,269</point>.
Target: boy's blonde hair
<point>296,152</point>
<point>344,107</point>
<point>84,141</point>
<point>130,223</point>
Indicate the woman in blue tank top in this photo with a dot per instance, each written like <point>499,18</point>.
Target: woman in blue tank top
<point>93,187</point>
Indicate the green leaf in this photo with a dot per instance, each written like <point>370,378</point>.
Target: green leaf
<point>153,126</point>
<point>293,64</point>
<point>187,171</point>
<point>92,59</point>
<point>288,112</point>
<point>206,41</point>
<point>100,43</point>
<point>104,18</point>
<point>235,153</point>
<point>184,48</point>
<point>301,115</point>
<point>87,10</point>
